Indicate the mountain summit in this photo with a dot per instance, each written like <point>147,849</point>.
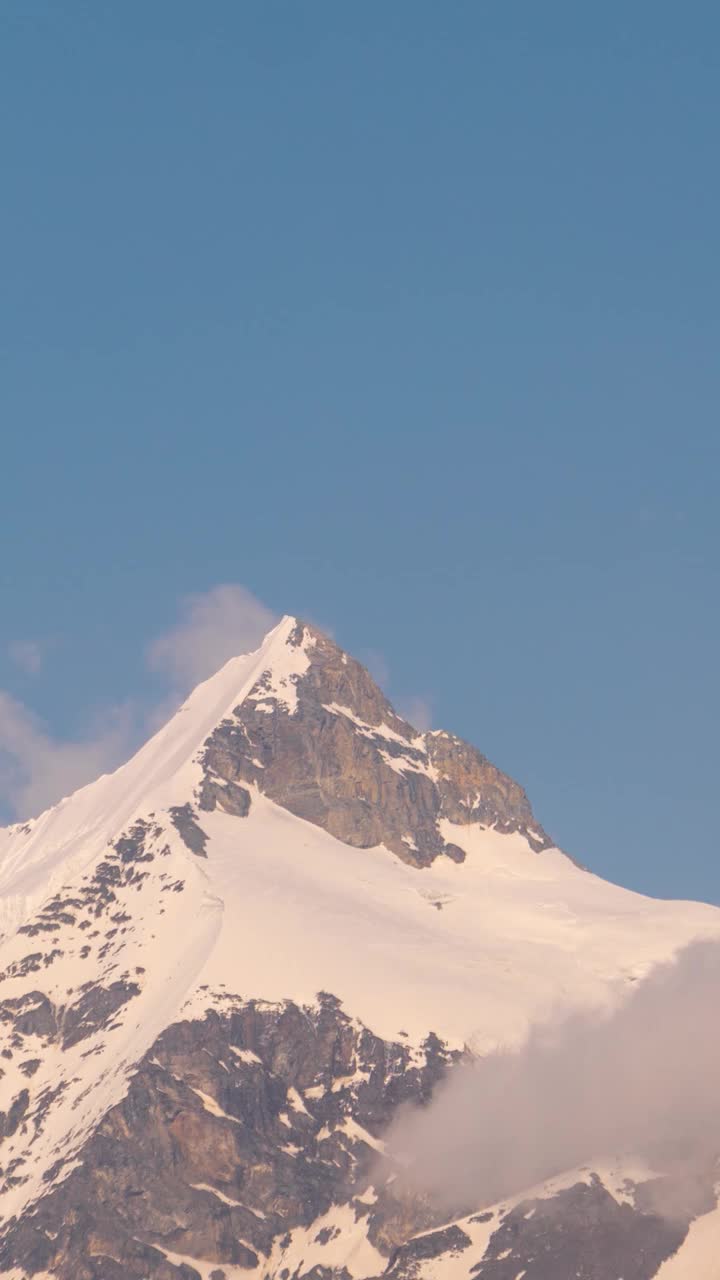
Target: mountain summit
<point>227,965</point>
<point>317,736</point>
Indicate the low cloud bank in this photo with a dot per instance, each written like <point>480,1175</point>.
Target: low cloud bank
<point>643,1081</point>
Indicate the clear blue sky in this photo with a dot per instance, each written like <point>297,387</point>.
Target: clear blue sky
<point>406,317</point>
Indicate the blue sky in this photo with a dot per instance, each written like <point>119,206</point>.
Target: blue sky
<point>406,318</point>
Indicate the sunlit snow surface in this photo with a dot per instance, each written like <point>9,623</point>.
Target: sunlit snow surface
<point>699,1256</point>
<point>474,951</point>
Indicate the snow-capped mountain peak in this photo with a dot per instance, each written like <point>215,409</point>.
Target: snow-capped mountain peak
<point>292,881</point>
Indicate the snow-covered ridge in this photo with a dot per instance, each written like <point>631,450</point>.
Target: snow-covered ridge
<point>36,856</point>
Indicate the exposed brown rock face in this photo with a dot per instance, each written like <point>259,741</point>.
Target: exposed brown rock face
<point>580,1232</point>
<point>235,1130</point>
<point>250,1125</point>
<point>343,759</point>
<point>191,833</point>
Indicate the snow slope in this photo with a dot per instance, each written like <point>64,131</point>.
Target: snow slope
<point>473,951</point>
<point>698,1258</point>
<point>38,855</point>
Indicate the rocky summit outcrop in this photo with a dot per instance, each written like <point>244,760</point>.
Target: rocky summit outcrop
<point>337,754</point>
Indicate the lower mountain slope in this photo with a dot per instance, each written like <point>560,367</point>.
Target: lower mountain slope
<point>227,966</point>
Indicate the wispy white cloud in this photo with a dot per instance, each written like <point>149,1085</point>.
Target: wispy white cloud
<point>28,655</point>
<point>37,768</point>
<point>413,708</point>
<point>417,711</point>
<point>213,627</point>
<point>377,665</point>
